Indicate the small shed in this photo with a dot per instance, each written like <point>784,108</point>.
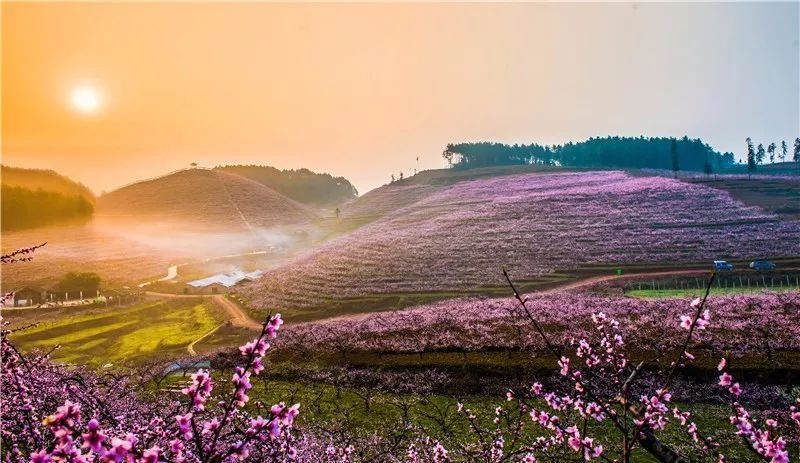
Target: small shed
<point>29,295</point>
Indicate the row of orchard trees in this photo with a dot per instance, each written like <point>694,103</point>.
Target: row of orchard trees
<point>601,404</point>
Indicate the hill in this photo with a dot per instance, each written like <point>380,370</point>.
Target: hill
<point>34,198</point>
<point>47,180</point>
<point>301,185</point>
<point>119,259</point>
<point>401,193</point>
<point>459,236</point>
<point>203,199</point>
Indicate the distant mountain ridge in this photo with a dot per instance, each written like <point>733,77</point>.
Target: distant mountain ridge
<point>34,198</point>
<point>301,185</point>
<point>45,179</point>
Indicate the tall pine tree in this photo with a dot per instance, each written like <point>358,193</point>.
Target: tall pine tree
<point>751,158</point>
<point>797,153</point>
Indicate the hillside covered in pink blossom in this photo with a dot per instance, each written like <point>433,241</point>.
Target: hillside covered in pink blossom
<point>459,236</point>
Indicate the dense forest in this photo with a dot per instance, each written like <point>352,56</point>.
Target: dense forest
<point>617,152</point>
<point>25,208</point>
<point>302,185</point>
<point>36,197</point>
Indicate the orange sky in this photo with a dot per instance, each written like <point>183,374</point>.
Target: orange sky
<point>360,90</point>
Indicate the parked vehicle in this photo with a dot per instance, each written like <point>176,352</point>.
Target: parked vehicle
<point>723,266</point>
<point>762,265</point>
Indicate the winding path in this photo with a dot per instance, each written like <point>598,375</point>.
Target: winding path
<point>236,316</point>
<point>190,347</point>
<point>591,281</point>
<point>578,284</point>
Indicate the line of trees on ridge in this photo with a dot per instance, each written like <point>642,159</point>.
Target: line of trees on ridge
<point>756,155</point>
<point>666,153</point>
<point>302,185</point>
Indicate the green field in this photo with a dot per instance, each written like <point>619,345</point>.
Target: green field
<point>103,335</point>
<point>379,412</point>
<point>694,292</point>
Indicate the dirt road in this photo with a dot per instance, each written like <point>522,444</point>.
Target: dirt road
<point>603,278</point>
<point>235,315</point>
<point>583,283</point>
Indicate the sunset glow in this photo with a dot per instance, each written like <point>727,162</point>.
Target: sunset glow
<point>363,90</point>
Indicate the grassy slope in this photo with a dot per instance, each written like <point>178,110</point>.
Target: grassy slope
<point>660,293</point>
<point>113,335</point>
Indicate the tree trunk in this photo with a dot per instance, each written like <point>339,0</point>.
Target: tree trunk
<point>661,452</point>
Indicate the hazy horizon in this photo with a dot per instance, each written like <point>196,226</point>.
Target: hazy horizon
<point>108,93</point>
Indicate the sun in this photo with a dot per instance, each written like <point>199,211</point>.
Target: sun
<point>85,99</point>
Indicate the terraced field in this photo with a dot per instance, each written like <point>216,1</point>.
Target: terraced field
<point>155,329</point>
